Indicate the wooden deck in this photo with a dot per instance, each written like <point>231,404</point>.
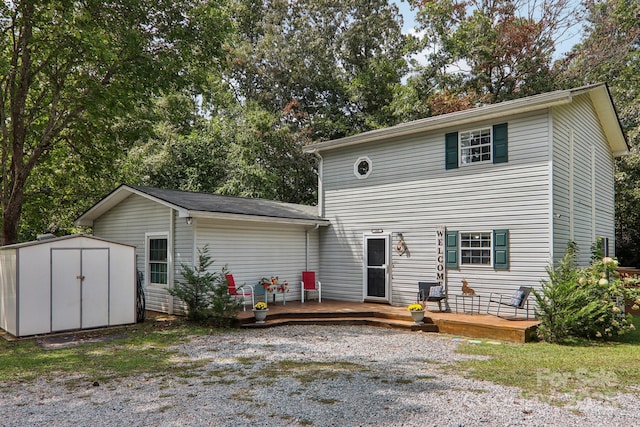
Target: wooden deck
<point>384,315</point>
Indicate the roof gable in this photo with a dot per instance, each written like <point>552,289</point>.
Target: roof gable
<point>599,94</point>
<point>205,205</point>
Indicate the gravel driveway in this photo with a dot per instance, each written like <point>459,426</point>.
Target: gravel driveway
<point>304,375</point>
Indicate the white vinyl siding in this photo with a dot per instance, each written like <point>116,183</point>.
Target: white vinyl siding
<point>130,222</point>
<point>577,126</point>
<point>410,192</point>
<point>251,251</point>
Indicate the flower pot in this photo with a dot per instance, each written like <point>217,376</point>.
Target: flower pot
<point>418,317</point>
<point>260,315</point>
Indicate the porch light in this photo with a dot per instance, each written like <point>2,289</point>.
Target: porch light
<point>189,220</point>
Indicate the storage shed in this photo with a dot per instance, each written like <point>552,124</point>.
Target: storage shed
<point>66,283</point>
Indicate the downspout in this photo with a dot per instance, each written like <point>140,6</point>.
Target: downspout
<point>170,273</point>
<point>320,184</point>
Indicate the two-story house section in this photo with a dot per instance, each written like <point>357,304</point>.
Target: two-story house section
<point>507,186</point>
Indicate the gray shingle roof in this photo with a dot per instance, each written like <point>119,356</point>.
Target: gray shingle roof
<point>206,202</point>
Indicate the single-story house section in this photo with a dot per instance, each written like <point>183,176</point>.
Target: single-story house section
<point>254,238</point>
<point>491,195</point>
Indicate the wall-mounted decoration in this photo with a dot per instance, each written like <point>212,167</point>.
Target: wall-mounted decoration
<point>400,246</point>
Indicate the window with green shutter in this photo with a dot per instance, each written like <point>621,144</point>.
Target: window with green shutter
<point>482,145</point>
<point>477,249</point>
<point>451,150</point>
<point>501,249</point>
<point>500,146</point>
<point>451,249</point>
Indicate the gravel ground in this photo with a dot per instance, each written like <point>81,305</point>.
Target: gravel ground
<point>304,375</point>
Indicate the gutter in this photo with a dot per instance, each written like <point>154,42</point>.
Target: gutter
<point>493,111</point>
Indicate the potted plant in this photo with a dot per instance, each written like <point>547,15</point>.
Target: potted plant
<point>417,312</point>
<point>260,311</point>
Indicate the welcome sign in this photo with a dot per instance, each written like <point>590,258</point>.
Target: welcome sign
<point>440,250</point>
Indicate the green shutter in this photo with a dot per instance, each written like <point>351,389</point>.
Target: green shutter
<point>500,146</point>
<point>501,249</point>
<point>451,249</point>
<point>451,150</point>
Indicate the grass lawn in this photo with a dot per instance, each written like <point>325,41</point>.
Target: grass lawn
<point>549,370</point>
<point>142,349</point>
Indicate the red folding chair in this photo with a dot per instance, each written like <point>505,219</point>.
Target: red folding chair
<point>309,283</point>
<point>240,292</point>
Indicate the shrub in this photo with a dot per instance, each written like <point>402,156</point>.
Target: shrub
<point>583,303</point>
<point>205,293</point>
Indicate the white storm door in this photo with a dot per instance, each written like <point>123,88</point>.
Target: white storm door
<point>95,288</point>
<point>376,274</point>
<point>66,293</point>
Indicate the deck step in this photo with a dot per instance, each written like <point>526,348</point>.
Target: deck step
<point>349,319</point>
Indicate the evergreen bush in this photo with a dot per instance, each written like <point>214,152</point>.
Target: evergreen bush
<point>205,293</point>
<point>585,303</point>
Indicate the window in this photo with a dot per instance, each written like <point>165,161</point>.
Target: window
<point>158,266</point>
<point>475,248</point>
<point>475,146</point>
<point>478,248</point>
<point>362,167</point>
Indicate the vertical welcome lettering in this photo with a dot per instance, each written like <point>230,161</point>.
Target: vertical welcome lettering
<point>440,249</point>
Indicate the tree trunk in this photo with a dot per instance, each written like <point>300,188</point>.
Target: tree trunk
<point>11,217</point>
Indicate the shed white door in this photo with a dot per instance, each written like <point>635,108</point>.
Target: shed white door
<point>79,288</point>
<point>376,275</point>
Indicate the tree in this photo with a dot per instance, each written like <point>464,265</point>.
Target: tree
<point>337,62</point>
<point>69,70</point>
<point>489,51</point>
<point>205,293</point>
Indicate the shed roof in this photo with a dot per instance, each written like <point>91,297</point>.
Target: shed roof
<point>59,239</point>
<point>206,205</point>
<point>598,93</point>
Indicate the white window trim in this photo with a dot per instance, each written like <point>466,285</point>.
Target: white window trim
<point>460,148</point>
<point>357,163</point>
<point>147,261</point>
<point>490,249</point>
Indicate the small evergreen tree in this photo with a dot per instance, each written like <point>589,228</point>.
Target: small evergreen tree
<point>205,293</point>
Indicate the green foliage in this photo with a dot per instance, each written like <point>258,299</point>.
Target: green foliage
<point>205,293</point>
<point>583,303</point>
<point>73,75</point>
<point>506,50</point>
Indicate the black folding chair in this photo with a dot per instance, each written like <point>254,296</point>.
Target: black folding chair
<point>519,300</point>
<point>431,292</point>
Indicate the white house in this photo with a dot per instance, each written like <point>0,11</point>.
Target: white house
<point>254,238</point>
<point>507,185</point>
<point>491,195</point>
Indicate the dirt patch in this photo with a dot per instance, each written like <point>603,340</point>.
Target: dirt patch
<point>52,342</point>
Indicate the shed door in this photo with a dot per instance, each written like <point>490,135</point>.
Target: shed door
<point>79,288</point>
<point>95,288</point>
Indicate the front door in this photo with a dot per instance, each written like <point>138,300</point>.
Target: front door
<point>376,262</point>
